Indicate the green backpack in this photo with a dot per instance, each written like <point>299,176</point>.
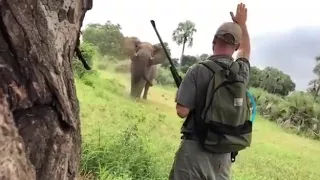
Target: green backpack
<point>225,126</point>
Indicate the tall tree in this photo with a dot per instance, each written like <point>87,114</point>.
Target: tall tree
<point>203,57</point>
<point>315,83</point>
<point>107,37</point>
<point>184,34</point>
<point>272,80</point>
<point>186,62</point>
<point>39,111</point>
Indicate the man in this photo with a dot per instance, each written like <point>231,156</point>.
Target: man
<point>192,161</point>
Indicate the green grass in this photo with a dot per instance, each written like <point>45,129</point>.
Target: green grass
<point>124,139</point>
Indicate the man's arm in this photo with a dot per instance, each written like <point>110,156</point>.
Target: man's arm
<point>185,98</point>
<point>244,55</point>
<point>245,48</point>
<point>241,18</point>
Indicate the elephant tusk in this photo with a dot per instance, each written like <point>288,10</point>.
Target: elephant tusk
<point>135,54</point>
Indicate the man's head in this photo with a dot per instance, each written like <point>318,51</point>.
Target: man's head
<point>227,39</point>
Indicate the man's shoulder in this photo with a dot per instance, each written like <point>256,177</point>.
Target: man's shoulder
<point>195,69</point>
<point>243,60</point>
<point>201,68</point>
<point>244,64</point>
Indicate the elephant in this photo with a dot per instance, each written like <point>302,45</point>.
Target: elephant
<point>144,59</point>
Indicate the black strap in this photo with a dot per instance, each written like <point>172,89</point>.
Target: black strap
<point>233,156</point>
<point>213,66</point>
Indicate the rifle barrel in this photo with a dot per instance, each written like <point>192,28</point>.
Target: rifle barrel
<point>174,72</point>
<point>161,42</point>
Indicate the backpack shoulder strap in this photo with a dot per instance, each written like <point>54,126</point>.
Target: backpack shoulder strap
<point>211,65</point>
<point>234,67</point>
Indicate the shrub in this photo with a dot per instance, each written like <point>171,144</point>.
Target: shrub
<point>122,68</point>
<point>88,52</point>
<point>123,154</point>
<point>164,77</point>
<point>109,59</point>
<point>296,111</point>
<point>184,69</point>
<point>102,66</point>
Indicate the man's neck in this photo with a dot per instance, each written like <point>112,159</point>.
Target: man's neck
<point>222,53</point>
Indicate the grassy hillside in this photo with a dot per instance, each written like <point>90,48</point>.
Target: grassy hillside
<point>124,139</point>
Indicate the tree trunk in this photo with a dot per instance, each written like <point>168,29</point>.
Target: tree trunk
<point>39,111</point>
<point>183,47</point>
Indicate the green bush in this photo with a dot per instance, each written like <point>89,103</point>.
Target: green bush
<point>124,153</point>
<point>102,86</point>
<point>102,65</point>
<point>88,52</point>
<point>184,69</point>
<point>164,77</point>
<point>122,68</point>
<point>296,111</point>
<point>109,59</point>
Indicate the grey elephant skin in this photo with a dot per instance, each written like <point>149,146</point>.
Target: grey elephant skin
<point>144,59</point>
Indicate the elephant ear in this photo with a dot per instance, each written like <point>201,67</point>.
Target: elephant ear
<point>130,45</point>
<point>159,55</point>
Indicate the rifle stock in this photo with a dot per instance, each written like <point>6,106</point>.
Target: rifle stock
<point>177,78</point>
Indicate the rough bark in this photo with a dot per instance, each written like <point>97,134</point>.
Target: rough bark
<point>39,111</point>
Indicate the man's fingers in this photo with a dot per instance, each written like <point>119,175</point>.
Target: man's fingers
<point>238,9</point>
<point>232,16</point>
<point>243,8</point>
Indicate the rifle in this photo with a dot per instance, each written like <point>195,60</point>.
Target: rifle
<point>177,78</point>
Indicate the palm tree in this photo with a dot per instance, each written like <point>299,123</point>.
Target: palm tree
<point>184,34</point>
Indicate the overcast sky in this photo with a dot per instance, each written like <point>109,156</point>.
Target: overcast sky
<point>285,34</point>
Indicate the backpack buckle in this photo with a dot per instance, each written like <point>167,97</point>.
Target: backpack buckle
<point>233,156</point>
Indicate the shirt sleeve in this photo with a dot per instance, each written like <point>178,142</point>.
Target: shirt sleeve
<point>244,72</point>
<point>187,90</point>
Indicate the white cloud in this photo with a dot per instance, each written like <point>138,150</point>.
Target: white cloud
<point>264,16</point>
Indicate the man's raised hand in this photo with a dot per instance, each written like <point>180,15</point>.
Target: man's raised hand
<point>241,15</point>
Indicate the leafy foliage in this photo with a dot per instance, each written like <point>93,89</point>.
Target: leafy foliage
<point>271,80</point>
<point>188,60</point>
<point>164,77</point>
<point>184,34</point>
<point>297,111</point>
<point>107,38</point>
<point>203,57</point>
<point>166,63</point>
<point>88,51</point>
<point>314,85</point>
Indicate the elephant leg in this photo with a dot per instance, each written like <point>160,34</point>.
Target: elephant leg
<point>137,87</point>
<point>132,87</point>
<point>150,75</point>
<point>140,87</point>
<point>146,89</point>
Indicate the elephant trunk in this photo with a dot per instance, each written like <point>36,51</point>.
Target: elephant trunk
<point>145,75</point>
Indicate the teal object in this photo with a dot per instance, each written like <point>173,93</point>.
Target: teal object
<point>254,106</point>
